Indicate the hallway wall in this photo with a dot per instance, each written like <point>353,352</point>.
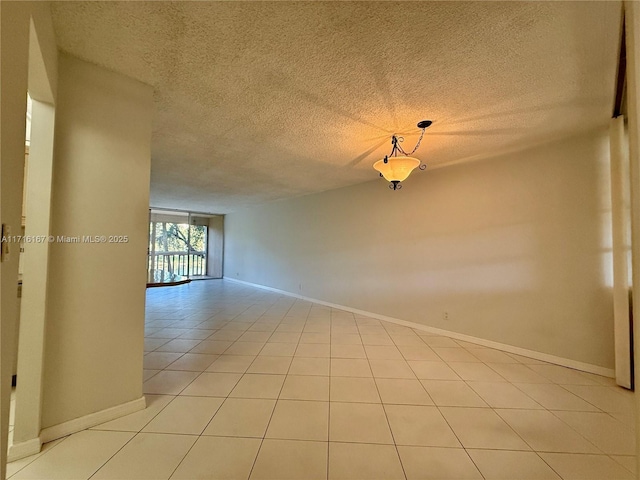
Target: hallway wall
<point>95,314</point>
<point>514,249</point>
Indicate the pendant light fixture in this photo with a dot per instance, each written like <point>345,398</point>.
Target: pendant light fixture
<point>396,168</point>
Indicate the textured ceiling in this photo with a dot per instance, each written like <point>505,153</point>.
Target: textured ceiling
<point>257,101</point>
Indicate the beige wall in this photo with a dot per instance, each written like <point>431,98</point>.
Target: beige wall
<point>16,18</point>
<point>215,246</point>
<point>516,249</point>
<point>95,314</point>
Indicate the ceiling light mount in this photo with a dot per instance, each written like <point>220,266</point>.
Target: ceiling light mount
<point>396,168</point>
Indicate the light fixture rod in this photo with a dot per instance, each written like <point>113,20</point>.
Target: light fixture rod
<point>423,125</point>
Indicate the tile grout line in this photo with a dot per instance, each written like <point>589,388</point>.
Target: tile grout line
<point>114,454</point>
<point>459,441</point>
<point>329,394</point>
<point>199,436</point>
<point>255,460</point>
<point>158,413</point>
<point>386,416</point>
<point>38,455</point>
<point>439,411</point>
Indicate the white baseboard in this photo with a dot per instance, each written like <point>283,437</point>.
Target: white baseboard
<point>545,357</point>
<point>21,450</point>
<point>78,424</point>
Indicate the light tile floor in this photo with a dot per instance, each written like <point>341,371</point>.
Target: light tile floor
<point>247,384</point>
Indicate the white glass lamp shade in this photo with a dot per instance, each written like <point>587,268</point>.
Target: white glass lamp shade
<point>397,169</point>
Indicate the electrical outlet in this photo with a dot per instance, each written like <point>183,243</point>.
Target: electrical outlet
<point>445,316</point>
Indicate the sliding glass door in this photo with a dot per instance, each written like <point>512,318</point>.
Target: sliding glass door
<point>178,244</point>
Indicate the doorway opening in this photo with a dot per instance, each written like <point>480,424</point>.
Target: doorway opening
<point>14,372</point>
<point>33,261</point>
